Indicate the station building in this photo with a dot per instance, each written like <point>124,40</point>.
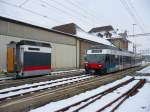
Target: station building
<point>107,32</point>
<point>67,49</point>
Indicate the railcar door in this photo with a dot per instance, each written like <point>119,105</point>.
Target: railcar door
<point>108,63</point>
<point>10,59</point>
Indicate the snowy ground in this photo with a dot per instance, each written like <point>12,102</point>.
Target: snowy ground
<point>5,77</point>
<point>137,103</point>
<point>39,85</point>
<point>145,70</point>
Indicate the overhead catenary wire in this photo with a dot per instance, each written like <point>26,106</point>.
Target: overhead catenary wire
<point>86,12</point>
<point>71,11</point>
<point>23,3</point>
<point>136,13</point>
<point>127,7</point>
<point>28,10</point>
<point>21,6</point>
<point>41,5</point>
<point>64,12</point>
<point>139,35</point>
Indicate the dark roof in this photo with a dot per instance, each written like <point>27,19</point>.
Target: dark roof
<point>69,28</point>
<point>42,28</point>
<point>103,28</point>
<point>34,26</point>
<point>33,43</point>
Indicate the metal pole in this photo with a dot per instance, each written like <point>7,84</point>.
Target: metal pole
<point>134,46</point>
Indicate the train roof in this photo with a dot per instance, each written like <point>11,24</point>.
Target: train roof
<point>33,43</point>
<point>104,47</point>
<point>110,47</point>
<point>112,50</point>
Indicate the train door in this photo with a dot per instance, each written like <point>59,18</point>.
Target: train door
<point>10,59</point>
<point>107,62</point>
<point>120,62</point>
<point>21,50</point>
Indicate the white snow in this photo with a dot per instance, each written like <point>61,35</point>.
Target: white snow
<point>106,99</point>
<point>84,35</point>
<point>37,88</point>
<point>140,102</point>
<point>145,70</point>
<point>37,84</point>
<point>60,104</point>
<point>67,71</point>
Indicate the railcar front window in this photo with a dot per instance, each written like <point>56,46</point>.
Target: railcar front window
<point>95,58</point>
<point>37,59</point>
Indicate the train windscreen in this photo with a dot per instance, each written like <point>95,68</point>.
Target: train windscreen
<point>95,58</point>
<point>35,59</point>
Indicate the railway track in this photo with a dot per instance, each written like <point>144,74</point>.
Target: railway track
<point>26,89</point>
<point>124,96</point>
<point>16,82</point>
<point>86,102</point>
<point>26,102</point>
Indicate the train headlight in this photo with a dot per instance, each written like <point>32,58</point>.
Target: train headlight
<point>99,65</point>
<point>86,64</point>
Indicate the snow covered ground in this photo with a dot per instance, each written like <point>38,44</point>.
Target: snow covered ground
<point>39,85</point>
<point>137,103</point>
<point>145,70</point>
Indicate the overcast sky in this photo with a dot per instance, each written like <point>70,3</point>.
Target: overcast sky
<point>121,14</point>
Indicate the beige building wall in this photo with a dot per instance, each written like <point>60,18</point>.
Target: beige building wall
<point>63,56</point>
<point>78,53</point>
<point>65,49</point>
<point>27,32</point>
<point>0,54</point>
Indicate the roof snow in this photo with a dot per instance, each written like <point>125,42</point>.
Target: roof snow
<point>74,29</point>
<point>84,35</point>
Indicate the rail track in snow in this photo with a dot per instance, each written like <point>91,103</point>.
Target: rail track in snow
<point>25,102</point>
<point>56,75</point>
<point>35,87</point>
<point>76,107</point>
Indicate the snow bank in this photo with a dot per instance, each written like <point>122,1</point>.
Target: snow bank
<point>145,70</point>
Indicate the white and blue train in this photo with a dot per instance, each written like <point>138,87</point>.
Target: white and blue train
<point>105,60</point>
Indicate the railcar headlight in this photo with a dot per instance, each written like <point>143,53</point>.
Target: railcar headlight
<point>86,64</point>
<point>100,65</point>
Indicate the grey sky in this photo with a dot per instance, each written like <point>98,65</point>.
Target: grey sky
<point>86,13</point>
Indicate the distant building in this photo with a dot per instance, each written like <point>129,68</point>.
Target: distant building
<point>104,31</point>
<point>118,40</point>
<point>66,28</point>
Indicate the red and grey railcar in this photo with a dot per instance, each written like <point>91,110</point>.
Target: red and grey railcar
<point>28,58</point>
<point>106,60</point>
